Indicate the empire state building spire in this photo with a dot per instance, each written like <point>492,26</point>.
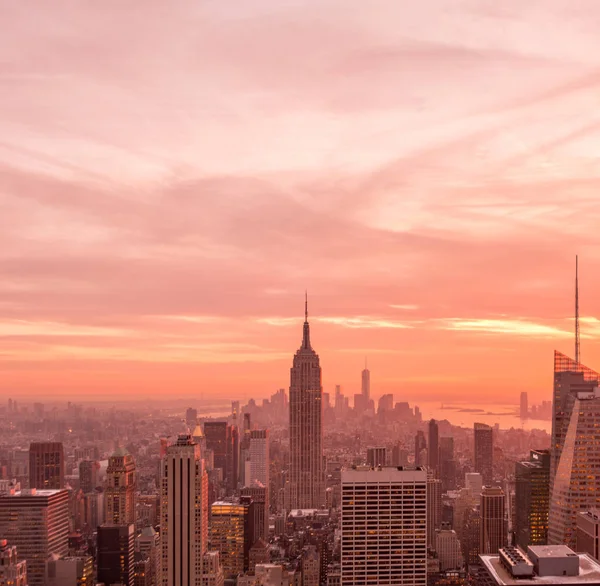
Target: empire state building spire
<point>306,334</point>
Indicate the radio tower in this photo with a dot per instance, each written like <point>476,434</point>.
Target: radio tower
<point>577,340</point>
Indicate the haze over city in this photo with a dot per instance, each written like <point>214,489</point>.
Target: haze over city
<point>174,178</point>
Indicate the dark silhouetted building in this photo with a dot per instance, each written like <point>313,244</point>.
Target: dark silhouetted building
<point>484,452</point>
<point>46,465</point>
<point>532,499</point>
<point>115,554</point>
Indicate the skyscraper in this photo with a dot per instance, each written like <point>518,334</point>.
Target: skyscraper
<point>575,451</point>
<point>46,465</point>
<point>232,533</point>
<point>115,559</point>
<point>420,447</point>
<point>484,452</point>
<point>384,526</point>
<point>365,387</point>
<point>493,526</point>
<point>119,494</point>
<point>433,449</point>
<point>184,514</point>
<point>307,479</point>
<point>222,439</point>
<point>524,407</point>
<point>434,507</point>
<point>376,456</point>
<point>447,464</point>
<point>88,475</point>
<point>37,523</point>
<point>532,499</point>
<point>259,474</point>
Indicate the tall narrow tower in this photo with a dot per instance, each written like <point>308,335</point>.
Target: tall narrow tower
<point>307,482</point>
<point>119,495</point>
<point>577,338</point>
<point>365,387</point>
<point>184,514</point>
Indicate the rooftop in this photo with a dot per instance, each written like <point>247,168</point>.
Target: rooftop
<point>589,569</point>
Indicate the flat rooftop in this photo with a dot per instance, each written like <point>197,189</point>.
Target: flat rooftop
<point>589,570</point>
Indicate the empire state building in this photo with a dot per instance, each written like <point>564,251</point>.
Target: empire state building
<point>307,479</point>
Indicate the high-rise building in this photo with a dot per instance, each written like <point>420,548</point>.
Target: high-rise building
<point>447,464</point>
<point>12,571</point>
<point>434,507</point>
<point>433,449</point>
<point>575,453</point>
<point>88,475</point>
<point>471,536</point>
<point>399,455</point>
<point>588,532</point>
<point>384,526</point>
<point>222,439</point>
<point>148,544</point>
<point>420,447</point>
<point>258,478</point>
<point>212,572</point>
<point>532,499</point>
<point>37,523</point>
<point>70,571</point>
<point>376,456</point>
<point>184,514</point>
<point>46,465</point>
<point>232,533</point>
<point>116,554</point>
<point>119,494</point>
<point>365,386</point>
<point>493,524</point>
<point>311,565</point>
<point>307,478</point>
<point>191,417</point>
<point>448,549</point>
<point>484,452</point>
<point>524,410</point>
<point>474,482</point>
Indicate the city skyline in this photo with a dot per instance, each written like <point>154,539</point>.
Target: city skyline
<point>167,241</point>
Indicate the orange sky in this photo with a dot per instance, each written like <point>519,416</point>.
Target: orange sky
<point>174,175</point>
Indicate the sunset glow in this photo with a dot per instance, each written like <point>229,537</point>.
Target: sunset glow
<point>175,175</point>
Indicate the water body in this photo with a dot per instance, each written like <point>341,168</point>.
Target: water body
<point>465,415</point>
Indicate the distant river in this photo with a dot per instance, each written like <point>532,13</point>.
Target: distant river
<point>465,415</point>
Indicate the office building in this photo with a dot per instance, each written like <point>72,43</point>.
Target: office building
<point>223,440</point>
<point>474,483</point>
<point>184,514</point>
<point>399,455</point>
<point>541,565</point>
<point>376,457</point>
<point>447,464</point>
<point>484,452</point>
<point>532,499</point>
<point>191,417</point>
<point>434,507</point>
<point>258,476</point>
<point>119,494</point>
<point>365,385</point>
<point>232,534</point>
<point>493,524</point>
<point>575,453</point>
<point>307,479</point>
<point>524,406</point>
<point>116,554</point>
<point>71,571</point>
<point>420,449</point>
<point>212,572</point>
<point>46,465</point>
<point>12,571</point>
<point>148,544</point>
<point>260,499</point>
<point>433,450</point>
<point>588,532</point>
<point>448,549</point>
<point>88,475</point>
<point>37,523</point>
<point>384,526</point>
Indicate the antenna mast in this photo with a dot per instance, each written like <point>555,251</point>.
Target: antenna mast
<point>577,339</point>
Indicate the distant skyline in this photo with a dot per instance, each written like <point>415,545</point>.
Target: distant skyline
<point>173,176</point>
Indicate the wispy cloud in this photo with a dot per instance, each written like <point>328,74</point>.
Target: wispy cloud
<point>519,327</point>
